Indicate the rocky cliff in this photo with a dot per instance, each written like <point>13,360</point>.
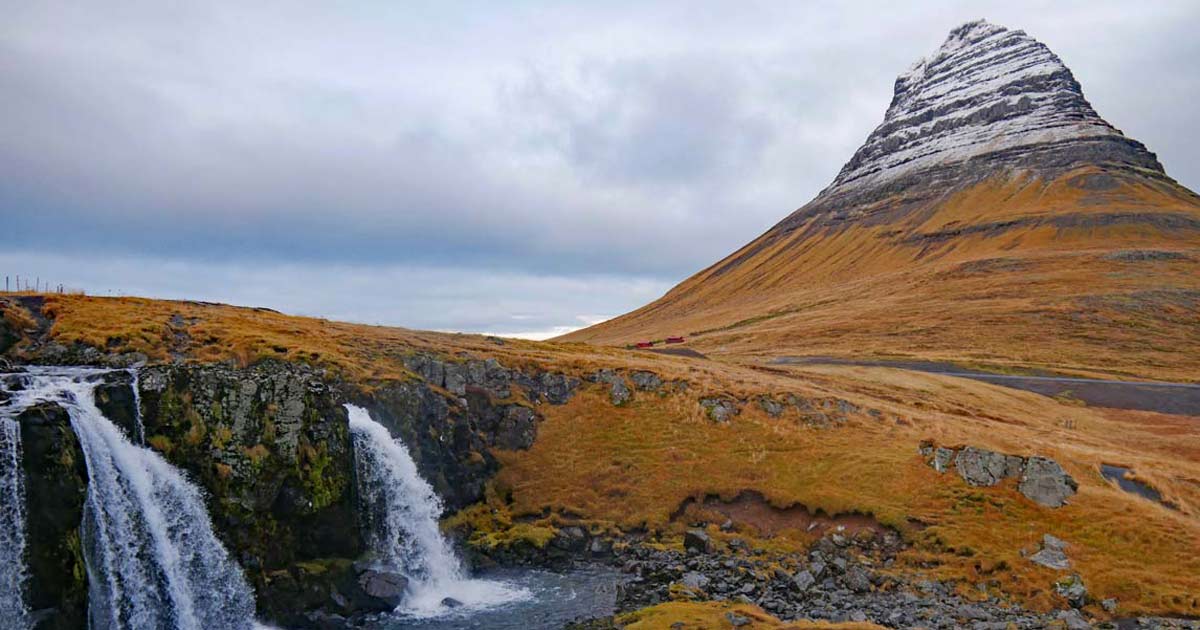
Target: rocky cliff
<point>270,446</point>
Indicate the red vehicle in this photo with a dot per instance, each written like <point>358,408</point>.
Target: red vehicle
<point>645,344</point>
<point>674,339</point>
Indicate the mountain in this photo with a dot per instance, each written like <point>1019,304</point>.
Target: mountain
<point>993,217</point>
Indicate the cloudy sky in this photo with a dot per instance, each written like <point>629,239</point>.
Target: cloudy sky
<point>516,168</point>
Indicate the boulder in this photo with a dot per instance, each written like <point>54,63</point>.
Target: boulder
<point>450,602</point>
<point>646,381</point>
<point>941,459</point>
<point>772,407</point>
<point>804,580</point>
<point>381,590</point>
<point>720,409</point>
<point>1051,554</point>
<point>1046,483</point>
<point>1072,589</point>
<point>980,467</point>
<point>697,541</point>
<point>619,392</point>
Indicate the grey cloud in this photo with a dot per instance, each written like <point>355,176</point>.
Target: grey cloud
<point>579,141</point>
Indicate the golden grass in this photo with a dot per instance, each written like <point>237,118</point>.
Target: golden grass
<point>713,616</point>
<point>1034,295</point>
<point>632,466</point>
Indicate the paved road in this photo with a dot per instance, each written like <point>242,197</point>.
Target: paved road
<point>1174,398</point>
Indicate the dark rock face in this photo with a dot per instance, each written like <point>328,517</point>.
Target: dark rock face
<point>56,486</point>
<point>271,446</point>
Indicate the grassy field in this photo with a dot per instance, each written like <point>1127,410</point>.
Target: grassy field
<point>633,466</point>
<point>714,616</point>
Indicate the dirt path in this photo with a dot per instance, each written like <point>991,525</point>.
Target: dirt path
<point>1173,398</point>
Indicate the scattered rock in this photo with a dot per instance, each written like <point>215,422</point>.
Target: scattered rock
<point>695,580</point>
<point>1072,589</point>
<point>771,406</point>
<point>720,409</point>
<point>1073,620</point>
<point>1109,605</point>
<point>697,541</point>
<point>1046,483</point>
<point>1051,555</point>
<point>804,580</point>
<point>619,392</point>
<point>942,458</point>
<point>646,381</point>
<point>736,620</point>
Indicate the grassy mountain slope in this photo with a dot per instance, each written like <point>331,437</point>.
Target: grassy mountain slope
<point>1096,271</point>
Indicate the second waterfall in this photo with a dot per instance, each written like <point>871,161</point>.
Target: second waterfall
<point>400,514</point>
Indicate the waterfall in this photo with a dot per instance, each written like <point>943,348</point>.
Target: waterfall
<point>152,558</point>
<point>400,514</point>
<point>136,384</point>
<point>12,525</point>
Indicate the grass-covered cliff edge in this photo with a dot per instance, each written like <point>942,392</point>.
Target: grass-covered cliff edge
<point>531,442</point>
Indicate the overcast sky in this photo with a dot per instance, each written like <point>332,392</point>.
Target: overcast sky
<point>482,166</point>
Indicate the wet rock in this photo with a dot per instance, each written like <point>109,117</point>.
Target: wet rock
<point>55,488</point>
<point>382,590</point>
<point>1072,589</point>
<point>450,602</point>
<point>720,409</point>
<point>697,541</point>
<point>1052,554</point>
<point>1046,483</point>
<point>570,538</point>
<point>646,381</point>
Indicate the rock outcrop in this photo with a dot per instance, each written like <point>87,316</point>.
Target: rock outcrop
<point>1042,480</point>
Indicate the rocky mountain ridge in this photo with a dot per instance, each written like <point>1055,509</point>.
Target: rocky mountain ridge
<point>988,97</point>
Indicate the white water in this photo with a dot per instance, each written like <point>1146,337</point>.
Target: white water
<point>13,611</point>
<point>136,385</point>
<point>400,514</point>
<point>152,558</point>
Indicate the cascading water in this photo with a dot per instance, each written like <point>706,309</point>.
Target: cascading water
<point>136,385</point>
<point>152,558</point>
<point>12,525</point>
<point>400,514</point>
